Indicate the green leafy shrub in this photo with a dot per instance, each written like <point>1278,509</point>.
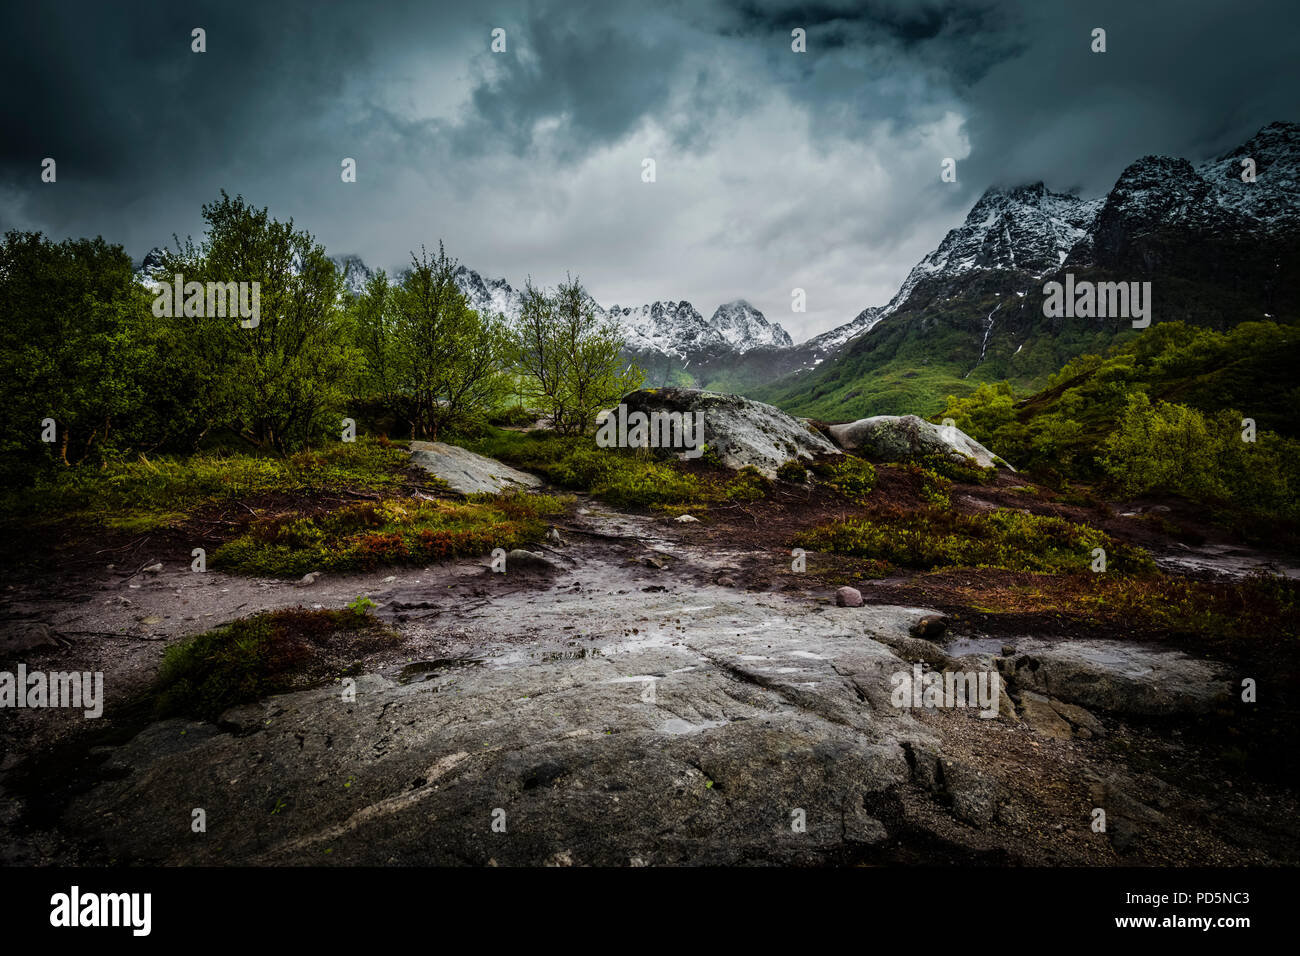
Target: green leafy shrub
<point>621,476</point>
<point>392,531</point>
<point>849,475</point>
<point>793,470</point>
<point>361,605</point>
<point>150,492</point>
<point>965,470</point>
<point>748,485</point>
<point>1170,448</point>
<point>934,488</point>
<point>1006,539</point>
<point>515,416</point>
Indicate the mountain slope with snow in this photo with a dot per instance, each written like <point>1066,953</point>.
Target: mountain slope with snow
<point>1216,249</point>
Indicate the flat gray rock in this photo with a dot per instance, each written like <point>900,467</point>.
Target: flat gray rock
<point>671,745</point>
<point>469,473</point>
<point>904,437</point>
<point>1119,678</point>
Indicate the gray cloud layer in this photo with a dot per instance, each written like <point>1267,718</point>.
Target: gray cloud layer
<point>774,169</point>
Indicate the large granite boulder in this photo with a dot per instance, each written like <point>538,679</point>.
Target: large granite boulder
<point>904,437</point>
<point>739,431</point>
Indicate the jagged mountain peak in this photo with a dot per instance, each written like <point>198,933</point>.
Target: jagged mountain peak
<point>745,327</point>
<point>1273,199</point>
<point>1026,228</point>
<point>152,260</point>
<point>355,272</point>
<point>488,296</point>
<point>668,328</point>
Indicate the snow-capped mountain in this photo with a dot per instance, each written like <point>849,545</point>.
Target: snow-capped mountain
<point>1028,228</point>
<point>1032,230</point>
<point>1025,228</point>
<point>1216,248</point>
<point>488,296</point>
<point>1164,216</point>
<point>743,327</point>
<point>152,261</point>
<point>355,273</point>
<point>665,328</point>
<point>1158,196</point>
<point>1273,200</point>
<point>829,341</point>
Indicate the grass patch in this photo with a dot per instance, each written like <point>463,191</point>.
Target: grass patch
<point>794,470</point>
<point>1006,539</point>
<point>966,470</point>
<point>849,475</point>
<point>934,489</point>
<point>620,476</point>
<point>1255,618</point>
<point>258,656</point>
<point>149,493</point>
<point>388,532</point>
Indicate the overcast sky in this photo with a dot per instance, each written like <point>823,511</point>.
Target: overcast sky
<point>774,169</point>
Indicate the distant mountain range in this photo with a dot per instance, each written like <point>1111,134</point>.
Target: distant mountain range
<point>1218,250</point>
<point>664,329</point>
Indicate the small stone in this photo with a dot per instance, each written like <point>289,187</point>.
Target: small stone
<point>154,568</point>
<point>1008,650</point>
<point>655,560</point>
<point>521,558</point>
<point>848,597</point>
<point>929,627</point>
<point>726,582</point>
<point>390,579</point>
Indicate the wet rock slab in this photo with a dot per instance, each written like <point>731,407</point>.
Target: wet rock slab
<point>468,473</point>
<point>702,743</point>
<point>1118,678</point>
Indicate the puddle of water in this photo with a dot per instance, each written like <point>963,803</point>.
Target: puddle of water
<point>423,670</point>
<point>963,646</point>
<point>677,726</point>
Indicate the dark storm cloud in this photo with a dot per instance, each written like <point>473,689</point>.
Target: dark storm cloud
<point>110,87</point>
<point>1187,79</point>
<point>598,81</point>
<point>775,169</point>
